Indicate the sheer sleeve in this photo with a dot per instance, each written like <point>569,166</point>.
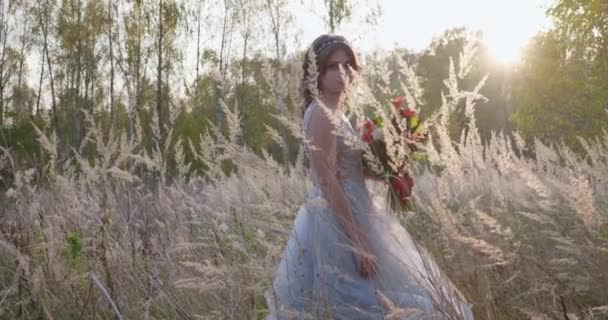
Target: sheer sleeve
<point>323,159</point>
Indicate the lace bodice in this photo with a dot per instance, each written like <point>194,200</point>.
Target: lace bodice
<point>349,164</point>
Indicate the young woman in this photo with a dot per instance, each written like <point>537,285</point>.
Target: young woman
<point>346,258</point>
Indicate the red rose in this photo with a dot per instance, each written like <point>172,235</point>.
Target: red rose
<point>368,129</point>
<point>397,101</point>
<point>403,185</point>
<point>408,113</point>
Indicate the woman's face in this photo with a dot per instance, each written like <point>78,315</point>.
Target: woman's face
<point>336,73</point>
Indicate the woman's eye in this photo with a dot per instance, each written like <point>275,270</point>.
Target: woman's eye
<point>337,66</point>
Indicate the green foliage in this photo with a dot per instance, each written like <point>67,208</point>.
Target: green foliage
<point>338,11</point>
<point>561,87</point>
<point>73,250</point>
<point>20,141</point>
<point>554,95</point>
<point>582,25</point>
<point>604,231</point>
<point>432,66</point>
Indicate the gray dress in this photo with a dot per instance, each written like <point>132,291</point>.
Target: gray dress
<point>317,277</point>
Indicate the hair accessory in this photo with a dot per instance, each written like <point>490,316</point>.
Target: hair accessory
<point>332,42</point>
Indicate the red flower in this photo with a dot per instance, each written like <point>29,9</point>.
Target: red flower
<point>397,101</point>
<point>403,186</point>
<point>407,112</point>
<point>368,129</point>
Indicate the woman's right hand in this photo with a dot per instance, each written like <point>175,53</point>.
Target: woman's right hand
<point>364,258</point>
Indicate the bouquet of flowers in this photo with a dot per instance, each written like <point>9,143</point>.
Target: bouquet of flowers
<point>394,171</point>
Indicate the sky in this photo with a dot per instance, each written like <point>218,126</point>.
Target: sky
<point>507,24</point>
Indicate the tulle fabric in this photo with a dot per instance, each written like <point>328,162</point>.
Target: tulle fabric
<point>317,276</point>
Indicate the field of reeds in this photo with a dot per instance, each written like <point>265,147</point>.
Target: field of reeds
<point>134,233</point>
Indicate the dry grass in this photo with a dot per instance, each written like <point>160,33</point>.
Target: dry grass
<point>523,237</point>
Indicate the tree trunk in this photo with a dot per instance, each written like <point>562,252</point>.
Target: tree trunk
<point>40,84</point>
<point>3,35</point>
<point>50,69</point>
<point>135,112</point>
<point>112,111</point>
<point>275,15</point>
<point>197,98</point>
<point>85,104</point>
<point>21,57</point>
<point>244,59</point>
<point>159,77</point>
<point>219,86</point>
<point>2,91</point>
<point>77,101</point>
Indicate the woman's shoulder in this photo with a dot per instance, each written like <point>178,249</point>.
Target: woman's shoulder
<point>311,106</point>
<point>313,111</point>
<point>319,119</point>
<point>323,116</point>
<point>317,110</point>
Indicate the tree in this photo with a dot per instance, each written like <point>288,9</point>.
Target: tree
<point>167,23</point>
<point>44,12</point>
<point>110,23</point>
<point>554,97</point>
<point>561,88</point>
<point>279,19</point>
<point>340,11</point>
<point>227,32</point>
<point>22,94</point>
<point>248,25</point>
<point>337,12</point>
<point>433,67</point>
<point>132,59</point>
<point>159,78</point>
<point>80,25</point>
<point>199,17</point>
<point>583,26</point>
<point>9,58</point>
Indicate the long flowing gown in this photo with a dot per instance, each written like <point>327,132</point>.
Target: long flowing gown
<point>317,277</point>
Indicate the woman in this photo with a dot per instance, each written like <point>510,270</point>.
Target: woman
<point>346,258</point>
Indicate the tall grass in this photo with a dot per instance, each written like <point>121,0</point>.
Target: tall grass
<point>520,228</point>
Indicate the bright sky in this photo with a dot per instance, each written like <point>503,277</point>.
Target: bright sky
<point>412,24</point>
<point>507,24</point>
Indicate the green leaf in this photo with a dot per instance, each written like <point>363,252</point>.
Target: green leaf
<point>413,123</point>
<point>74,245</point>
<point>604,230</point>
<point>378,121</point>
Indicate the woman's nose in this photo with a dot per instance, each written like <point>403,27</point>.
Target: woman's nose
<point>345,70</point>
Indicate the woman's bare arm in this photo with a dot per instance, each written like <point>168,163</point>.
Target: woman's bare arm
<point>323,160</point>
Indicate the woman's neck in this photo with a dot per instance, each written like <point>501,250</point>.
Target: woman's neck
<point>330,100</point>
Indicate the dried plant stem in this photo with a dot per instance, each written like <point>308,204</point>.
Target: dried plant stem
<point>105,293</point>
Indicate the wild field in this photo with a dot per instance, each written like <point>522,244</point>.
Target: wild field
<point>116,230</point>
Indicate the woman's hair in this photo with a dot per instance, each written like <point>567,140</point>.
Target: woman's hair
<point>323,46</point>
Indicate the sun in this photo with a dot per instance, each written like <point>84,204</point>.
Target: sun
<point>505,50</point>
<point>507,27</point>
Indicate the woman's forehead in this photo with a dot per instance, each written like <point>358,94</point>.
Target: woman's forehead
<point>339,55</point>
